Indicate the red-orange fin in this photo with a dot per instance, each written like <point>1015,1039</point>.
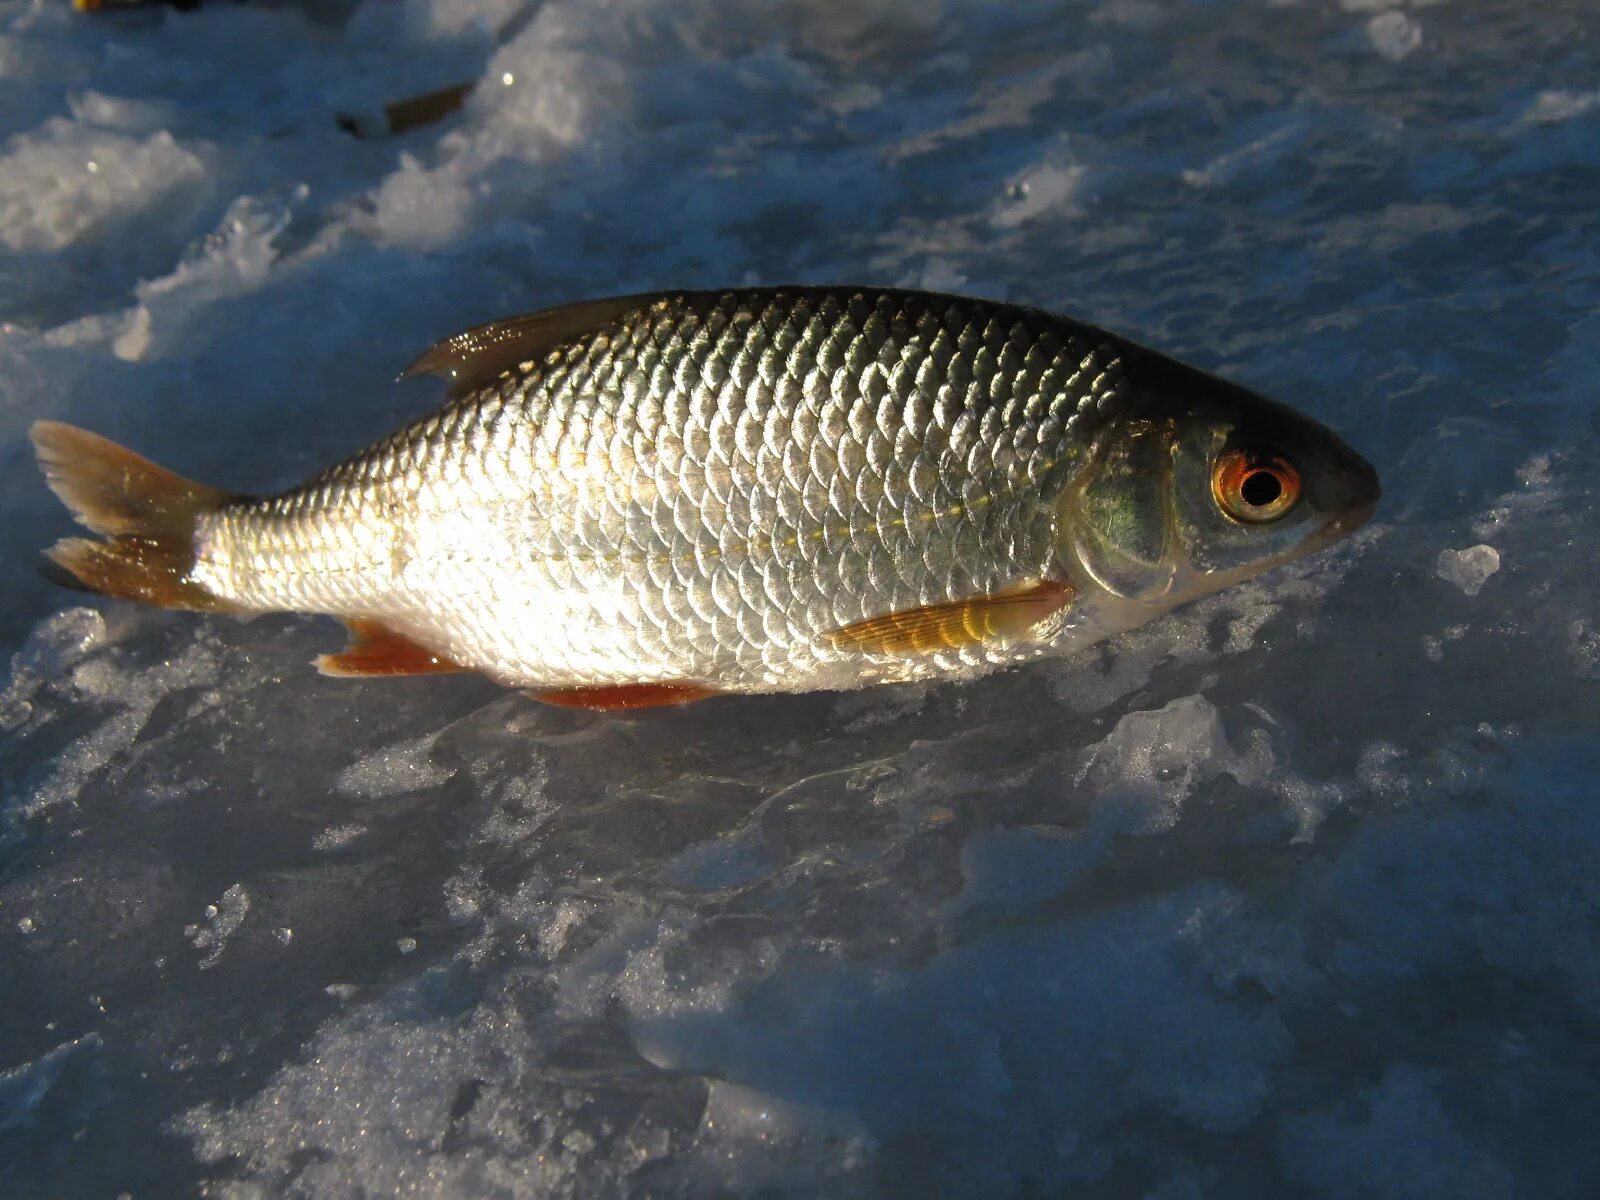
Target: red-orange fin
<point>956,624</point>
<point>621,696</point>
<point>145,514</point>
<point>375,649</point>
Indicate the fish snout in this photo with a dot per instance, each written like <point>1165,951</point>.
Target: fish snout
<point>1360,492</point>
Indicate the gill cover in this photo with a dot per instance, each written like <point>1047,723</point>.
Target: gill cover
<point>1120,518</point>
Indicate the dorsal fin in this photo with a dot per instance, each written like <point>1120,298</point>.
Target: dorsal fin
<point>484,353</point>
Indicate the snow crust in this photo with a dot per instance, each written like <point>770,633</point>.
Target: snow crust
<point>1291,894</point>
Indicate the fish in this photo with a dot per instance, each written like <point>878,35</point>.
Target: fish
<point>654,499</point>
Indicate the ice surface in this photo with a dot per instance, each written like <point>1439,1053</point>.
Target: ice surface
<point>1291,894</point>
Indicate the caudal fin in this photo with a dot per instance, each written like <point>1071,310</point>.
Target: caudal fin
<point>146,514</point>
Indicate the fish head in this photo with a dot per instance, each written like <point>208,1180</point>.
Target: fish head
<point>1199,483</point>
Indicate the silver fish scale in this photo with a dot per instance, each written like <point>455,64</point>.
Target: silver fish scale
<point>702,490</point>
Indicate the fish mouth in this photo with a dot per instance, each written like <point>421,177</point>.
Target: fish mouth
<point>1348,522</point>
<point>1366,494</point>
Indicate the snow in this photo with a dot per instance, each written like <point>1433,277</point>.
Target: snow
<point>1291,893</point>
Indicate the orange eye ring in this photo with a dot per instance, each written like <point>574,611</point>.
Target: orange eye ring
<point>1254,488</point>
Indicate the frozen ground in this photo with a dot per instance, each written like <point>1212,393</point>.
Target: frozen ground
<point>1293,895</point>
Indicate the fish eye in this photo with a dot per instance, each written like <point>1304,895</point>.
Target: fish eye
<point>1254,488</point>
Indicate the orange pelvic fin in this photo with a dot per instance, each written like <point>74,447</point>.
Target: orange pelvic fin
<point>618,697</point>
<point>956,624</point>
<point>375,649</point>
<point>145,514</point>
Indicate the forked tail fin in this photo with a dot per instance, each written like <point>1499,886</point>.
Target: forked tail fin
<point>146,514</point>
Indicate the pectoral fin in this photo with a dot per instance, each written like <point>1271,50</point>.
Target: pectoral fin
<point>617,697</point>
<point>375,649</point>
<point>956,624</point>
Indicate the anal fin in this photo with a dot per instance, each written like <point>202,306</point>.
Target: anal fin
<point>375,649</point>
<point>623,696</point>
<point>956,624</point>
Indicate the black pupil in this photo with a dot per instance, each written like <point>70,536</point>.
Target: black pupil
<point>1260,488</point>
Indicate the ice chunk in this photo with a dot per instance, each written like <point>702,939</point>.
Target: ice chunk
<point>222,920</point>
<point>1152,761</point>
<point>1052,188</point>
<point>1394,35</point>
<point>942,275</point>
<point>1468,569</point>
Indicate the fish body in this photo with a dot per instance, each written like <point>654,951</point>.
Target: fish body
<point>765,490</point>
